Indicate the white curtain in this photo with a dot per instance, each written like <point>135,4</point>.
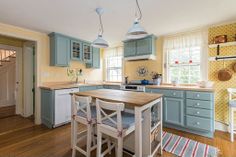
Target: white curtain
<point>190,39</point>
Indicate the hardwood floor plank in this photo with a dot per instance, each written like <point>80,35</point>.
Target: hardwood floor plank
<point>39,141</point>
<point>7,111</point>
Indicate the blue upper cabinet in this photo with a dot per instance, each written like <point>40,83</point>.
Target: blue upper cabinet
<point>87,52</point>
<point>129,48</point>
<point>59,50</point>
<point>76,49</point>
<point>95,59</point>
<point>144,46</point>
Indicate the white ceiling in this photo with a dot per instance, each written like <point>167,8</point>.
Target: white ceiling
<point>77,17</point>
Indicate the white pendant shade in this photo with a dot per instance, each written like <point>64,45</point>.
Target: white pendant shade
<point>136,31</point>
<point>100,42</point>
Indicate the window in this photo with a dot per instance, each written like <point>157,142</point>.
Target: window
<point>113,63</point>
<point>185,61</point>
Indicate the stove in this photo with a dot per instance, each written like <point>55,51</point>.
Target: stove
<point>130,87</point>
<point>134,85</point>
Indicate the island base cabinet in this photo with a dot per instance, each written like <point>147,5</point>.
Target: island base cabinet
<point>173,112</point>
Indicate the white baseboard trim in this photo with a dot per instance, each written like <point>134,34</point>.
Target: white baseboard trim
<point>221,126</point>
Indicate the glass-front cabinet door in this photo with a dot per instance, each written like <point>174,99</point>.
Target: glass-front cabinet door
<point>87,52</point>
<point>76,50</point>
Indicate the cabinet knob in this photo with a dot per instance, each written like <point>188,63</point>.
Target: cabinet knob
<point>198,95</point>
<point>174,93</point>
<point>197,104</point>
<point>197,112</point>
<point>197,123</point>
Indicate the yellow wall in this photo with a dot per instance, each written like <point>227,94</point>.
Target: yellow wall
<point>11,41</point>
<point>130,67</point>
<point>47,73</point>
<point>221,95</point>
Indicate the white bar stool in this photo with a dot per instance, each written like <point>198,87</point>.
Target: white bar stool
<point>85,114</point>
<point>113,122</point>
<point>232,109</point>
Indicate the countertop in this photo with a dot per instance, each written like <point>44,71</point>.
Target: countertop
<point>68,85</point>
<point>128,97</point>
<point>181,87</point>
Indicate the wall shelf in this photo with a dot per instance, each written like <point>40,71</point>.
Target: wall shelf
<point>232,43</point>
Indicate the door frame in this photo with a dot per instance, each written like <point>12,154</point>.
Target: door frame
<point>41,45</point>
<point>19,104</point>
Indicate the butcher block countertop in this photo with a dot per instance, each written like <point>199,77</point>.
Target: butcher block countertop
<point>68,85</point>
<point>181,87</point>
<point>128,97</point>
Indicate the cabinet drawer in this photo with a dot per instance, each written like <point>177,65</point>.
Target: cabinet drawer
<point>199,95</point>
<point>199,123</point>
<point>167,93</point>
<point>199,112</point>
<point>200,104</point>
<point>173,93</point>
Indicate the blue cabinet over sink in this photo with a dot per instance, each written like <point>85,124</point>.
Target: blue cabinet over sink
<point>63,49</point>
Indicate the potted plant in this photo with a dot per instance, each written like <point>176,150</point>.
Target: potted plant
<point>156,77</point>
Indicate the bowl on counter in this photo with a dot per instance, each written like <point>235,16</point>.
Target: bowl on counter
<point>205,84</point>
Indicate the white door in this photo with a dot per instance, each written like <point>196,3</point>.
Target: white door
<point>19,83</point>
<point>28,73</point>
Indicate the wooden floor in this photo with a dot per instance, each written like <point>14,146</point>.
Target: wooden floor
<point>7,111</point>
<point>14,123</point>
<point>39,141</point>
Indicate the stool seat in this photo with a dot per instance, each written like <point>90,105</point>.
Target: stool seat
<point>93,113</point>
<point>232,103</point>
<point>127,120</point>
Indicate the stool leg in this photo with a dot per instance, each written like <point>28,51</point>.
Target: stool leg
<point>109,146</point>
<point>89,139</point>
<point>99,142</point>
<point>75,124</point>
<point>232,125</point>
<point>120,147</point>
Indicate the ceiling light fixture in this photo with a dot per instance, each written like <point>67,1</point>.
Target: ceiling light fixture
<point>136,31</point>
<point>100,42</point>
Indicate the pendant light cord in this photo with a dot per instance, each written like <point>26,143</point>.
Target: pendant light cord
<point>101,25</point>
<point>139,10</point>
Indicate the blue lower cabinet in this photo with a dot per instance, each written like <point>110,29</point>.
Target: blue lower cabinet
<point>47,107</point>
<point>173,111</point>
<point>190,111</point>
<point>117,87</point>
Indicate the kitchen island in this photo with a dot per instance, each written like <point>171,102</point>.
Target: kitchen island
<point>147,137</point>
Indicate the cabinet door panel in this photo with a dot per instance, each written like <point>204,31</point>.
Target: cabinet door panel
<point>62,51</point>
<point>87,52</point>
<point>129,48</point>
<point>174,111</point>
<point>144,46</point>
<point>76,50</point>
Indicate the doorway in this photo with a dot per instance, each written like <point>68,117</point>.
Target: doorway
<point>17,73</point>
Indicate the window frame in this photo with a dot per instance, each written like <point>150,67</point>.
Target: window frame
<point>106,69</point>
<point>168,65</point>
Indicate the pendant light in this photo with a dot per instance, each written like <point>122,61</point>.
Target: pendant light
<point>100,42</point>
<point>137,31</point>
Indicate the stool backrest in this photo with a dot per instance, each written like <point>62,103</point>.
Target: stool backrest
<point>81,104</point>
<point>107,110</point>
<point>232,93</point>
